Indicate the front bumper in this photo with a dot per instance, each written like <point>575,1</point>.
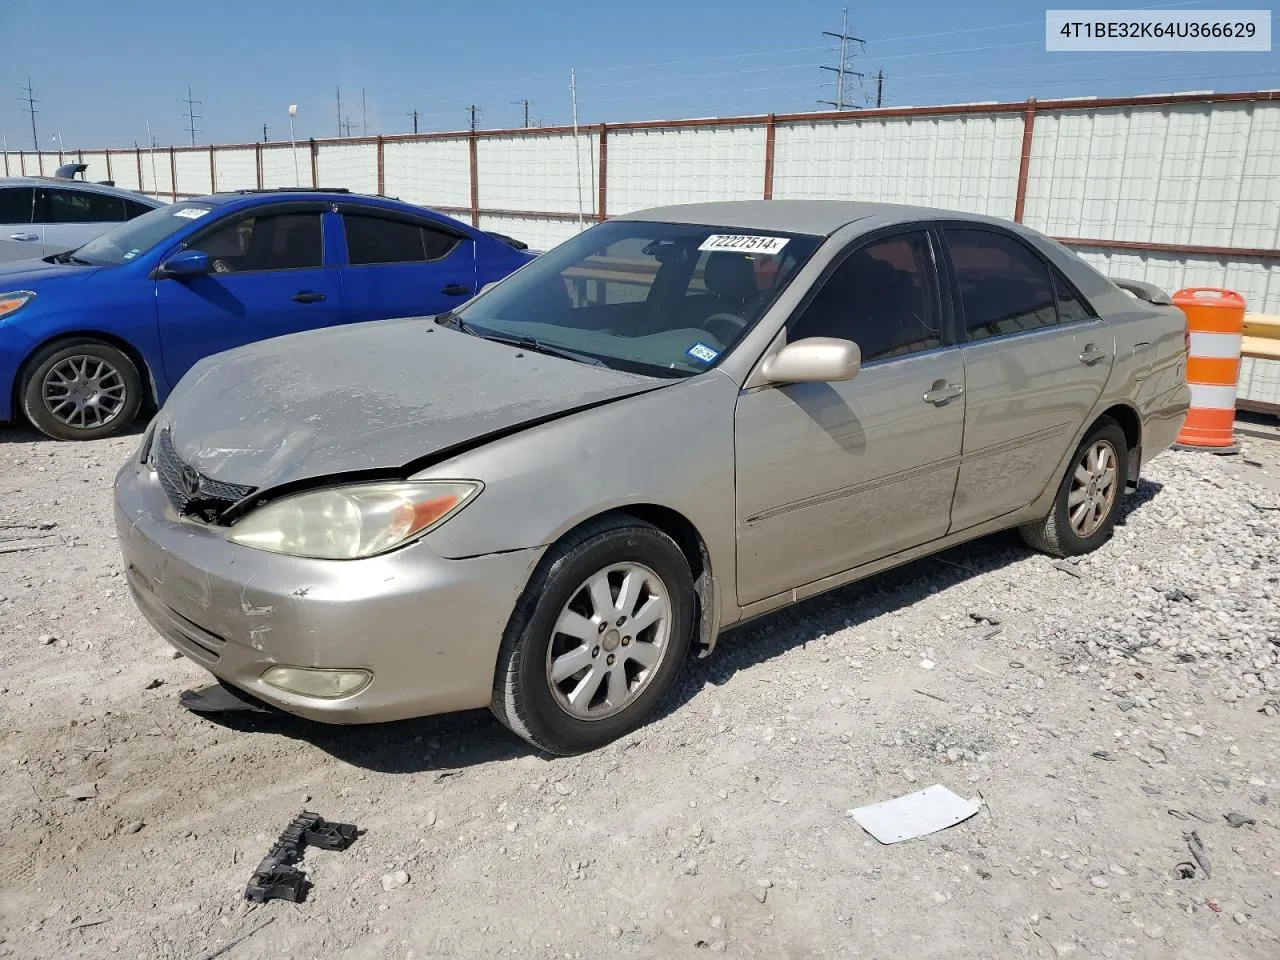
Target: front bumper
<point>426,627</point>
<point>15,347</point>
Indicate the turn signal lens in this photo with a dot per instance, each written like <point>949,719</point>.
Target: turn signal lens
<point>12,301</point>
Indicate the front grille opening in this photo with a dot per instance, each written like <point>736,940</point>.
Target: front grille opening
<point>189,492</point>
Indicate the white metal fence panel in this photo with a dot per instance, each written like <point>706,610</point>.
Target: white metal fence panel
<point>192,167</point>
<point>124,169</point>
<point>95,164</point>
<point>1206,174</point>
<point>430,172</point>
<point>965,163</point>
<point>540,233</point>
<point>1256,280</point>
<point>49,162</point>
<point>654,166</point>
<point>538,172</point>
<point>157,177</point>
<point>278,168</point>
<point>236,168</point>
<point>350,165</point>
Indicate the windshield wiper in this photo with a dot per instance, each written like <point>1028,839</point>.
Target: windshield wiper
<point>69,257</point>
<point>449,318</point>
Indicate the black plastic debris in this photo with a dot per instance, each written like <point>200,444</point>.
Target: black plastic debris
<point>1239,820</point>
<point>278,876</point>
<point>220,698</point>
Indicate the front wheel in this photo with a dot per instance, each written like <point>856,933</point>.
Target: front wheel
<point>81,390</point>
<point>1084,512</point>
<point>597,638</point>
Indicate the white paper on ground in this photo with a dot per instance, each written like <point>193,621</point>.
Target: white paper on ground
<point>915,815</point>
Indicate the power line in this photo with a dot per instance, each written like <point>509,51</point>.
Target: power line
<point>191,115</point>
<point>842,67</point>
<point>30,108</point>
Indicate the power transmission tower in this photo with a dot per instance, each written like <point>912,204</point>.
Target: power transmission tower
<point>364,116</point>
<point>191,115</point>
<point>879,88</point>
<point>842,68</point>
<point>30,107</point>
<point>415,120</point>
<point>339,111</point>
<point>527,104</point>
<point>474,111</point>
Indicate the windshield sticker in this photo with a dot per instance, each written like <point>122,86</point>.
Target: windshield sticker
<point>132,253</point>
<point>743,243</point>
<point>191,213</point>
<point>700,351</point>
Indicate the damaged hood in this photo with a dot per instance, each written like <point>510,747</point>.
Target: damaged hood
<point>367,396</point>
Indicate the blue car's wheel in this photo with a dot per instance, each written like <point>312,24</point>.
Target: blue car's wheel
<point>81,390</point>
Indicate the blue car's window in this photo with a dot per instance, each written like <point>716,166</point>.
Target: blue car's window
<point>659,298</point>
<point>273,241</point>
<point>373,239</point>
<point>135,237</point>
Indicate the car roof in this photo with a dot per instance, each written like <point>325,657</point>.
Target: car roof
<point>311,195</point>
<point>86,185</point>
<point>814,217</point>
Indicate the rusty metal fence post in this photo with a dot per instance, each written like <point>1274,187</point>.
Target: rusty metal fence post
<point>1024,159</point>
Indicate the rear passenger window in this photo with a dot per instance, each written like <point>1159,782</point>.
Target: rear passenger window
<point>79,206</point>
<point>881,297</point>
<point>373,239</point>
<point>1004,287</point>
<point>1070,306</point>
<point>132,208</point>
<point>16,204</point>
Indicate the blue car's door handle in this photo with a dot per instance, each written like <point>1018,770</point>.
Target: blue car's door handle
<point>307,296</point>
<point>455,290</point>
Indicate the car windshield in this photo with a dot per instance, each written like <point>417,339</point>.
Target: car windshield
<point>661,299</point>
<point>135,237</point>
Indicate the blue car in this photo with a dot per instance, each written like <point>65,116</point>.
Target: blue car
<point>89,336</point>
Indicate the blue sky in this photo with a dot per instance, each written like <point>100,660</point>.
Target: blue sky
<point>104,69</point>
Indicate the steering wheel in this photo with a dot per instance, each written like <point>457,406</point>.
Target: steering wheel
<point>731,322</point>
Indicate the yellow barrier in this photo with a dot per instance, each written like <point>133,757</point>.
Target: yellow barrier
<point>1261,336</point>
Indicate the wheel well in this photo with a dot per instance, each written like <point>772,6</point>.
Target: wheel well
<point>685,534</point>
<point>144,371</point>
<point>1131,424</point>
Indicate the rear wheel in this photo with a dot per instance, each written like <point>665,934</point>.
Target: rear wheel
<point>1084,512</point>
<point>597,638</point>
<point>81,390</point>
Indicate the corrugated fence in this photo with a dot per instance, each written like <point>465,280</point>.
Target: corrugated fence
<point>1178,190</point>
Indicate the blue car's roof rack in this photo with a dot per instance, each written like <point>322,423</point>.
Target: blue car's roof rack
<point>292,190</point>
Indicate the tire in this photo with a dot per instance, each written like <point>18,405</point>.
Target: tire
<point>108,411</point>
<point>1056,534</point>
<point>530,702</point>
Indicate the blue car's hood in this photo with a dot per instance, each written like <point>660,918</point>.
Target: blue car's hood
<point>28,274</point>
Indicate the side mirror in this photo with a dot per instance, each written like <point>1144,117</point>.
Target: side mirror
<point>814,360</point>
<point>186,263</point>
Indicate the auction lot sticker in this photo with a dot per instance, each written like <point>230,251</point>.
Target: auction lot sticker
<point>744,243</point>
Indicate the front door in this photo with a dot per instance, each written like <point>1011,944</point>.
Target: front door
<point>20,237</point>
<point>72,217</point>
<point>268,279</point>
<point>833,475</point>
<point>1036,361</point>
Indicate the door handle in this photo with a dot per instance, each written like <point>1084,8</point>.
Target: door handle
<point>1091,354</point>
<point>307,296</point>
<point>942,392</point>
<point>455,290</point>
<point>24,237</point>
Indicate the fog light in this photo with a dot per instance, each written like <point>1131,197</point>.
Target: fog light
<point>313,682</point>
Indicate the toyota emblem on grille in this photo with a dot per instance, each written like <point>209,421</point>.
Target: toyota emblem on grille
<point>190,481</point>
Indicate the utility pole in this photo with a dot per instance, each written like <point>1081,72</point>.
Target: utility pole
<point>264,133</point>
<point>191,115</point>
<point>577,147</point>
<point>364,116</point>
<point>879,89</point>
<point>415,120</point>
<point>527,104</point>
<point>841,70</point>
<point>30,107</point>
<point>344,127</point>
<point>474,111</point>
<point>339,111</point>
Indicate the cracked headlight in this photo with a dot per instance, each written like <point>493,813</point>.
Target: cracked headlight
<point>355,521</point>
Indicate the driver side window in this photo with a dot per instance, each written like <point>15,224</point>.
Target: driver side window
<point>882,296</point>
<point>275,241</point>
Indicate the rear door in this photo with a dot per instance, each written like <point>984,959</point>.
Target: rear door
<point>834,475</point>
<point>20,237</point>
<point>1036,360</point>
<point>400,266</point>
<point>269,279</point>
<point>74,217</point>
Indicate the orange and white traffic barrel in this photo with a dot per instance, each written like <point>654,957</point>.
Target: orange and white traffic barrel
<point>1215,326</point>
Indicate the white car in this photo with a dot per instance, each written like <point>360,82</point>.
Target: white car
<point>40,216</point>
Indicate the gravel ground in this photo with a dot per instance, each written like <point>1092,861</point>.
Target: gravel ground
<point>1102,710</point>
